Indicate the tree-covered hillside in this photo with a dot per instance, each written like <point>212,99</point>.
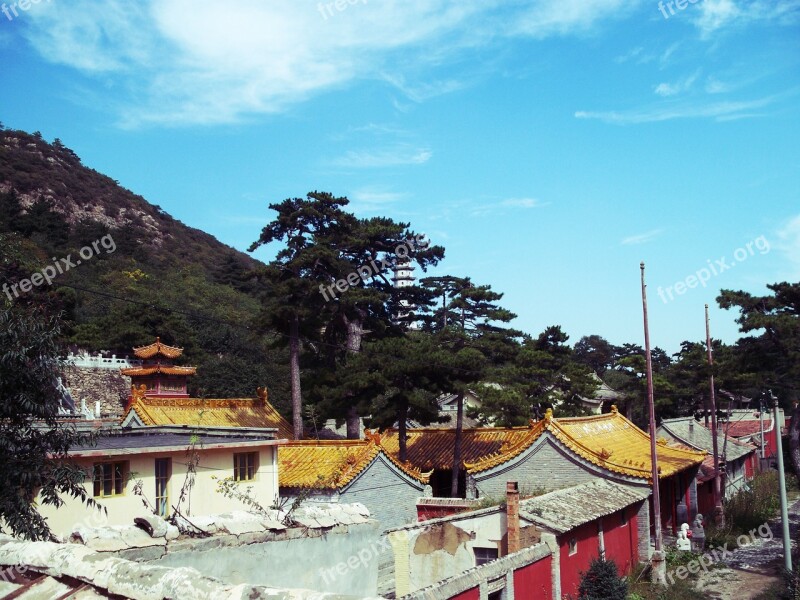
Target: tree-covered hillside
<point>148,274</point>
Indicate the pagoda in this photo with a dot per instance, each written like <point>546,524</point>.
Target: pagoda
<point>157,373</point>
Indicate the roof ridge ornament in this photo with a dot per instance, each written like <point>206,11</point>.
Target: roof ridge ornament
<point>548,415</point>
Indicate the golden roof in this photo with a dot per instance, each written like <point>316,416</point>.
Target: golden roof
<point>229,412</point>
<point>331,464</point>
<point>163,369</point>
<point>157,348</point>
<point>433,448</point>
<point>610,441</point>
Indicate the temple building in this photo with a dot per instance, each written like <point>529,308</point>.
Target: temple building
<point>159,397</point>
<point>157,373</point>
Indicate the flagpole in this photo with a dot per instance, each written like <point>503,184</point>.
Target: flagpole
<point>658,563</point>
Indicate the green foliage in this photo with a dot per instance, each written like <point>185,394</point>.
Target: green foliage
<point>602,582</point>
<point>35,460</point>
<point>164,278</point>
<point>747,510</point>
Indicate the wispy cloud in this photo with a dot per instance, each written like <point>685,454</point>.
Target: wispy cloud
<point>668,111</point>
<point>641,238</point>
<point>524,203</point>
<point>385,157</point>
<point>678,87</point>
<point>717,14</point>
<point>178,62</point>
<point>373,199</point>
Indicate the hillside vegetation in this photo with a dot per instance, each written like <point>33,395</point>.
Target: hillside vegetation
<point>152,276</point>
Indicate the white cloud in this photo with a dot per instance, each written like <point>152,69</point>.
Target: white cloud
<point>175,62</point>
<point>680,86</point>
<point>668,111</point>
<point>524,203</point>
<point>385,157</point>
<point>641,238</point>
<point>717,14</point>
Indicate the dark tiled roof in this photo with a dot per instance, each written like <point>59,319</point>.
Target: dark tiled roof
<point>564,510</point>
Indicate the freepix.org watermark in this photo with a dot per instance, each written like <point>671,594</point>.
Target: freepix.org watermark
<point>355,561</point>
<point>11,11</point>
<point>364,272</point>
<point>326,10</point>
<point>720,553</point>
<point>59,267</point>
<point>702,276</point>
<point>671,5</point>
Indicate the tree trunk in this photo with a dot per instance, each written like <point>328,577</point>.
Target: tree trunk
<point>794,441</point>
<point>294,367</point>
<point>402,415</point>
<point>457,447</point>
<point>355,331</point>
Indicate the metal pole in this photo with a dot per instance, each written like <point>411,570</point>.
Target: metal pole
<point>787,542</point>
<point>658,560</point>
<point>719,513</point>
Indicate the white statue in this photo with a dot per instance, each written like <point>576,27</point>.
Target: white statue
<point>684,543</point>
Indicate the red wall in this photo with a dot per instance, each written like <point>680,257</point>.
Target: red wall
<point>473,594</point>
<point>621,544</point>
<point>534,581</point>
<point>705,499</point>
<point>621,541</point>
<point>572,566</point>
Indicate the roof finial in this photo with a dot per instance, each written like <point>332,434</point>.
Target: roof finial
<point>548,414</point>
<point>614,409</point>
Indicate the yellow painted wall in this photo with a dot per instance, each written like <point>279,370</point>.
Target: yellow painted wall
<point>205,500</point>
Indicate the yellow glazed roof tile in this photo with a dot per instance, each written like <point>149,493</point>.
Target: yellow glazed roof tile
<point>157,348</point>
<point>201,412</point>
<point>433,448</point>
<point>610,441</point>
<point>330,464</point>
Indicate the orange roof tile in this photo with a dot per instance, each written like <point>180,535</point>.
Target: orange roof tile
<point>157,348</point>
<point>229,412</point>
<point>433,448</point>
<point>610,441</point>
<point>163,369</point>
<point>330,464</point>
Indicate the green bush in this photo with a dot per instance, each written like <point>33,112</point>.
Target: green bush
<point>602,582</point>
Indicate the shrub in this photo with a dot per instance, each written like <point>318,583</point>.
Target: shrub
<point>602,582</point>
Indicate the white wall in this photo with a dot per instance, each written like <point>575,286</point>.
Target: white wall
<point>204,499</point>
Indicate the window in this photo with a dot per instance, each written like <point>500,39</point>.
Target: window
<point>484,555</point>
<point>163,471</point>
<point>624,517</point>
<point>110,479</point>
<point>244,466</point>
<point>573,546</point>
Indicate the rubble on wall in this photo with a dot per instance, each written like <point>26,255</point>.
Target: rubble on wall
<point>109,575</point>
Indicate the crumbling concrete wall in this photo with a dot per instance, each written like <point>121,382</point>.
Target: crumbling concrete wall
<point>111,575</point>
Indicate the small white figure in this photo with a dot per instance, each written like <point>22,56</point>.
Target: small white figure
<point>684,543</point>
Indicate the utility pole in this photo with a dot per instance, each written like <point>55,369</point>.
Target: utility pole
<point>761,424</point>
<point>787,542</point>
<point>719,513</point>
<point>658,561</point>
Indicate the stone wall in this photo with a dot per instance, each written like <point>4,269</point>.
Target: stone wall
<point>107,386</point>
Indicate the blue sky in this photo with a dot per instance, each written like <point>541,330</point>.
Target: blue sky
<point>549,145</point>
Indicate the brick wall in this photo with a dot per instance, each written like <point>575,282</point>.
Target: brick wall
<point>389,498</point>
<point>544,466</point>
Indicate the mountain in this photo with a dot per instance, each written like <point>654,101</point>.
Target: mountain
<point>141,273</point>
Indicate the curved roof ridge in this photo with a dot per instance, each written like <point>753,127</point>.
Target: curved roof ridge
<point>500,456</point>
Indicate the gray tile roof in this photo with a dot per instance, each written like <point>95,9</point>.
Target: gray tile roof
<point>564,510</point>
<point>688,431</point>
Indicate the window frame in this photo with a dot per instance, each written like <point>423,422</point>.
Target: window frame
<point>573,546</point>
<point>162,502</point>
<point>482,560</point>
<point>249,469</point>
<point>119,475</point>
